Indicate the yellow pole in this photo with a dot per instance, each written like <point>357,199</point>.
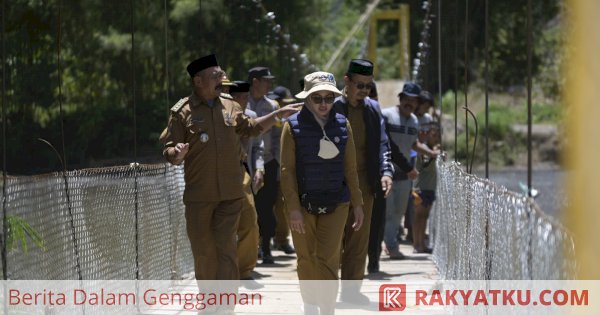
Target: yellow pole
<point>372,42</point>
<point>404,41</point>
<point>583,113</point>
<point>402,15</point>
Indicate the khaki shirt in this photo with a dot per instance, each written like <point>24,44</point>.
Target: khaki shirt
<point>289,182</point>
<point>213,170</point>
<point>356,119</point>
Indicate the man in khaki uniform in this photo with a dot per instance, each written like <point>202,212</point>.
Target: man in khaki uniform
<point>204,131</point>
<point>282,96</point>
<point>248,232</point>
<point>373,165</point>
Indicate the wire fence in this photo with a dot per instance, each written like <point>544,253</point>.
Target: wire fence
<point>480,230</point>
<point>103,241</point>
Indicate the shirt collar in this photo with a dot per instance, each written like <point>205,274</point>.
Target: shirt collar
<point>196,101</point>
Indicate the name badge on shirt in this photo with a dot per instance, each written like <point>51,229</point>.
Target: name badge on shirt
<point>204,137</point>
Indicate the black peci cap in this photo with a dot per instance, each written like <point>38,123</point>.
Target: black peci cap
<point>360,66</point>
<point>239,87</point>
<point>201,64</point>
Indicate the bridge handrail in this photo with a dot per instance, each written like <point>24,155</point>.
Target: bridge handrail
<point>481,230</point>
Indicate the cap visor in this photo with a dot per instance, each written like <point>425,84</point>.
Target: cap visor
<point>409,94</point>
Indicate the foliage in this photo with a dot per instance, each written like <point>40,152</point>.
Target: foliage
<point>108,77</point>
<point>507,45</point>
<point>504,112</point>
<point>19,231</point>
<point>105,69</point>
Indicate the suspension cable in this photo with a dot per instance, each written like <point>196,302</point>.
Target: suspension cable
<point>456,83</point>
<point>487,85</point>
<point>344,45</point>
<point>173,228</point>
<point>439,55</point>
<point>4,224</point>
<point>135,157</point>
<point>166,26</point>
<point>529,83</point>
<point>62,132</point>
<point>466,78</point>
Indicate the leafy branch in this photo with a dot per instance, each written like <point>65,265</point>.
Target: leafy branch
<point>18,231</point>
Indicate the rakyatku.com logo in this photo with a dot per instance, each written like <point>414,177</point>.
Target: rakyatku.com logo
<point>392,297</point>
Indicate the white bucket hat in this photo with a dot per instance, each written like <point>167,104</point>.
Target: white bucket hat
<point>318,81</point>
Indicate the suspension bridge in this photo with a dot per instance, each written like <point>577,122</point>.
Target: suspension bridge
<point>126,222</point>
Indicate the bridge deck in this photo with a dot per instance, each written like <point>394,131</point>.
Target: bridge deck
<point>277,280</point>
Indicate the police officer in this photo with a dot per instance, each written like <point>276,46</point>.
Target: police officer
<point>374,167</point>
<point>261,79</point>
<point>204,131</point>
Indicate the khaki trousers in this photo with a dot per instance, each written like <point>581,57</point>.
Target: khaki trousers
<point>211,228</point>
<point>356,243</point>
<point>318,252</point>
<point>282,229</point>
<point>247,232</point>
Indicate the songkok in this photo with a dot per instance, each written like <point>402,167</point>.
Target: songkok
<point>201,64</point>
<point>239,87</point>
<point>360,66</point>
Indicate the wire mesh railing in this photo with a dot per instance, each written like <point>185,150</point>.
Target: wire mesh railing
<point>480,230</point>
<point>102,203</point>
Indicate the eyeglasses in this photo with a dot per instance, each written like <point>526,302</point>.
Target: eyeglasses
<point>362,86</point>
<point>217,74</point>
<point>318,99</point>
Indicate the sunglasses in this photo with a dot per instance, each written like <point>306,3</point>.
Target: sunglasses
<point>362,86</point>
<point>318,99</point>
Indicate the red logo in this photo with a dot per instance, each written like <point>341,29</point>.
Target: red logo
<point>392,297</point>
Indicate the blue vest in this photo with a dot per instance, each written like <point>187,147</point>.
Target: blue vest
<point>315,174</point>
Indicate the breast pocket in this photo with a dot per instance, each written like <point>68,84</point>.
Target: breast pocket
<point>229,117</point>
<point>197,131</point>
